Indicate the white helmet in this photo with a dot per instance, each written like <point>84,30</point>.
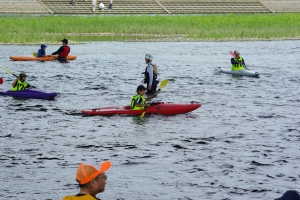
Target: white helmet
<point>148,56</point>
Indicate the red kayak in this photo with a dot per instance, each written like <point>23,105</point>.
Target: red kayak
<point>162,108</point>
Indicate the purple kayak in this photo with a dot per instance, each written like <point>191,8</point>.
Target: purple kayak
<point>30,94</point>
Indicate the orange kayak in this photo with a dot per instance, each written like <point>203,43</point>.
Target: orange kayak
<point>47,58</point>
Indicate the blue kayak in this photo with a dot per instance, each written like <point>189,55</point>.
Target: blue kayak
<point>30,94</point>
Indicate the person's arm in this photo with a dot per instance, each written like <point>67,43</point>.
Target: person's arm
<point>151,97</point>
<point>139,102</point>
<point>43,53</point>
<point>243,62</point>
<point>233,61</point>
<point>15,82</point>
<point>30,86</point>
<point>61,49</point>
<point>150,72</point>
<point>38,53</point>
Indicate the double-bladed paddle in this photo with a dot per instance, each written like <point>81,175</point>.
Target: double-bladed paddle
<point>161,86</point>
<point>11,73</point>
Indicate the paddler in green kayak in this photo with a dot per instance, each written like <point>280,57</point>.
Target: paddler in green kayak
<point>138,101</point>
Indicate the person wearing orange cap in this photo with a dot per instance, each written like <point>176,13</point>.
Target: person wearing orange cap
<point>92,180</point>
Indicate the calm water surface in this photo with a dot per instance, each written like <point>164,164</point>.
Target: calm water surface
<point>243,143</point>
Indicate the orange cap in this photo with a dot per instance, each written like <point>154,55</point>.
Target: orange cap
<point>89,169</point>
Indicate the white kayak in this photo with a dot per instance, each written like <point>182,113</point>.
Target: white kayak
<point>243,72</point>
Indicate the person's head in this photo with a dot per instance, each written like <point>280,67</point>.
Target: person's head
<point>43,46</point>
<point>141,90</point>
<point>148,58</point>
<point>236,53</point>
<point>64,41</point>
<point>91,176</point>
<point>22,76</point>
<point>290,195</point>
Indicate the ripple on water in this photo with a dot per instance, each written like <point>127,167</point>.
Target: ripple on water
<point>242,143</point>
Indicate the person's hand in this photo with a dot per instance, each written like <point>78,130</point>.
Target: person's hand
<point>154,95</point>
<point>149,87</point>
<point>147,105</point>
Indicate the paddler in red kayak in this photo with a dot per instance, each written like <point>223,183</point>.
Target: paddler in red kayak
<point>63,51</point>
<point>20,83</point>
<point>138,101</point>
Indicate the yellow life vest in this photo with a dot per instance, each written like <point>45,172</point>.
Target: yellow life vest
<point>20,86</point>
<point>155,69</point>
<point>83,197</point>
<point>238,66</point>
<point>133,102</point>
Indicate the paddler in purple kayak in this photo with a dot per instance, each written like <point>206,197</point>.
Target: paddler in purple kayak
<point>20,83</point>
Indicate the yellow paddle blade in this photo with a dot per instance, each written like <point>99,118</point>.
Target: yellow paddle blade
<point>34,54</point>
<point>163,83</point>
<point>143,114</point>
<point>6,69</point>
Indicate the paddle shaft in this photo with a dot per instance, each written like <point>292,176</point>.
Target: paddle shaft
<point>8,70</point>
<point>12,73</point>
<point>162,85</point>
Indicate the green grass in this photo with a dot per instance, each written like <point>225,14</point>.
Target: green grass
<point>51,29</point>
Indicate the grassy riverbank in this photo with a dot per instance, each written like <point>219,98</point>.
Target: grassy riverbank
<point>51,29</point>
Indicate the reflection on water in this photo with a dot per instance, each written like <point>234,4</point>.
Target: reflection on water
<point>242,143</point>
<point>139,120</point>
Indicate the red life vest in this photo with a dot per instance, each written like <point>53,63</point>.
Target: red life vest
<point>66,52</point>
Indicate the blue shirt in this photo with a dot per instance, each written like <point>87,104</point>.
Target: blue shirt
<point>41,53</point>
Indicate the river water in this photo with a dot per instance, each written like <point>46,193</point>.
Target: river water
<point>242,143</point>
